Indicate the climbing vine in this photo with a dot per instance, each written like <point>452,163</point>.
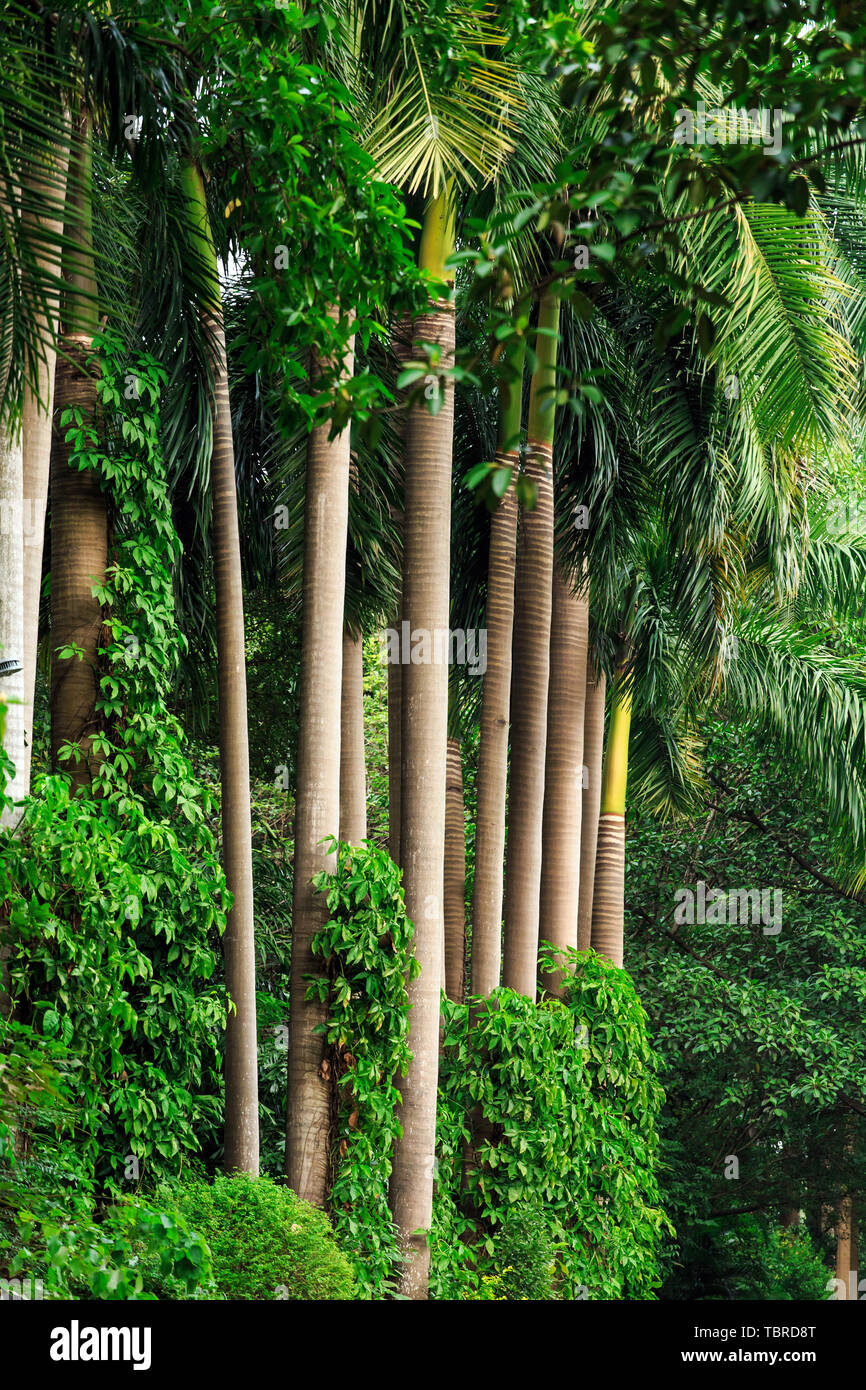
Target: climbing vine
<point>366,948</point>
<point>114,894</point>
<point>550,1108</point>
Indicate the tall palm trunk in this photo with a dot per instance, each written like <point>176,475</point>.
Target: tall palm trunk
<point>593,752</point>
<point>11,611</point>
<point>79,508</point>
<point>241,1147</point>
<point>531,673</point>
<point>317,800</point>
<point>46,192</point>
<point>608,896</point>
<point>353,773</point>
<point>563,778</point>
<point>395,755</point>
<point>492,775</point>
<point>401,352</point>
<point>454,896</point>
<point>426,566</point>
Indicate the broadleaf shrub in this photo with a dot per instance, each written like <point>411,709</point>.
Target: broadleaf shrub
<point>264,1241</point>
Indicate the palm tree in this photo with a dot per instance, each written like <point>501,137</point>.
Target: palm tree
<point>317,799</point>
<point>401,353</point>
<point>34,143</point>
<point>491,778</point>
<point>353,780</point>
<point>454,891</point>
<point>428,138</point>
<point>593,748</point>
<point>44,191</point>
<point>424,733</point>
<point>79,508</point>
<point>531,672</point>
<point>563,776</point>
<point>718,442</point>
<point>66,68</point>
<point>608,893</point>
<point>11,612</point>
<point>241,1050</point>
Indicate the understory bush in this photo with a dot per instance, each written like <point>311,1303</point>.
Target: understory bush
<point>264,1241</point>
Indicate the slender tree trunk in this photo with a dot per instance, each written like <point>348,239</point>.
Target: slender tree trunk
<point>847,1253</point>
<point>79,507</point>
<point>11,612</point>
<point>46,194</point>
<point>395,716</point>
<point>531,673</point>
<point>241,1148</point>
<point>353,772</point>
<point>401,351</point>
<point>10,738</point>
<point>563,780</point>
<point>593,751</point>
<point>317,802</point>
<point>426,574</point>
<point>454,898</point>
<point>492,775</point>
<point>608,896</point>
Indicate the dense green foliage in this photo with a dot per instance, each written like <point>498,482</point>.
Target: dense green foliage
<point>759,1029</point>
<point>688,1127</point>
<point>366,949</point>
<point>99,885</point>
<point>264,1242</point>
<point>57,1238</point>
<point>564,1095</point>
<point>559,1107</point>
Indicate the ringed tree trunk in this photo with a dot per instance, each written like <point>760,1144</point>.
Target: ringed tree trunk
<point>11,615</point>
<point>609,892</point>
<point>531,674</point>
<point>395,715</point>
<point>492,775</point>
<point>317,799</point>
<point>401,351</point>
<point>11,684</point>
<point>593,750</point>
<point>12,736</point>
<point>563,778</point>
<point>46,191</point>
<point>79,507</point>
<point>426,577</point>
<point>353,772</point>
<point>241,1146</point>
<point>454,897</point>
